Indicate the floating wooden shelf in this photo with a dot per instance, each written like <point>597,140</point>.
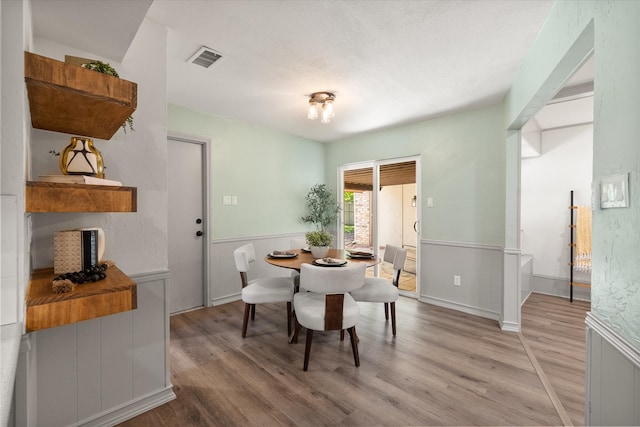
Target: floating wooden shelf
<point>45,309</point>
<point>61,197</point>
<point>70,99</point>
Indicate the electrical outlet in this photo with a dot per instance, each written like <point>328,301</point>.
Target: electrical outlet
<point>456,280</point>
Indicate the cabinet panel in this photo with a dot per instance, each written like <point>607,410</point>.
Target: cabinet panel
<point>149,334</point>
<point>100,366</point>
<point>89,362</point>
<point>117,361</point>
<point>56,354</point>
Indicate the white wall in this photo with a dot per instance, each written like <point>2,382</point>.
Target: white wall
<point>137,242</point>
<point>112,367</point>
<point>396,215</point>
<point>15,37</point>
<point>390,207</point>
<point>565,164</point>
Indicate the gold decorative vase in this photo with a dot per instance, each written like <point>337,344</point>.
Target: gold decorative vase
<point>80,157</point>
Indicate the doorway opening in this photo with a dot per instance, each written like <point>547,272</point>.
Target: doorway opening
<point>556,172</point>
<point>380,207</point>
<point>555,191</point>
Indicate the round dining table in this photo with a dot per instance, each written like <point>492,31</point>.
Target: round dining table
<point>304,257</point>
<point>294,263</point>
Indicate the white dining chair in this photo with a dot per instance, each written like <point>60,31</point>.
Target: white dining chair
<point>327,305</point>
<point>378,289</point>
<point>260,290</point>
<point>297,244</point>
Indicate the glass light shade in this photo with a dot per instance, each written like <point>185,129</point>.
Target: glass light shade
<point>326,116</point>
<point>312,114</point>
<point>328,106</point>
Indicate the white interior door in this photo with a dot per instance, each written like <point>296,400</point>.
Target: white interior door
<point>186,225</point>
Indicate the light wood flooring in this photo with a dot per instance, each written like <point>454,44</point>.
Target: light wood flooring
<point>443,368</point>
<point>555,331</point>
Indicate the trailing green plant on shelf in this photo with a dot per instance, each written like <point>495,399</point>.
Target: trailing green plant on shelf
<point>105,68</point>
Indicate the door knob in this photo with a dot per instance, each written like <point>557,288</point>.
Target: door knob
<point>199,233</point>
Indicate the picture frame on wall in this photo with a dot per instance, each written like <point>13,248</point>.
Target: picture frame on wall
<point>614,191</point>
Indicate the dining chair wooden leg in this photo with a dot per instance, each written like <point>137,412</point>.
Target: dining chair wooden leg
<point>307,349</point>
<point>393,318</point>
<point>288,318</point>
<point>341,334</point>
<point>245,319</point>
<point>386,311</point>
<point>354,345</point>
<point>296,331</point>
<point>253,312</point>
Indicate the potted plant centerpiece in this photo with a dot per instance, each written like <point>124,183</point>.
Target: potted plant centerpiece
<point>319,242</point>
<point>323,211</point>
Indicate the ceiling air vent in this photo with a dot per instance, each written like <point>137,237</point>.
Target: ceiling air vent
<point>205,57</point>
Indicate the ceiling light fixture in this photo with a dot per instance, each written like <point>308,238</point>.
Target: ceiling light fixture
<point>321,103</point>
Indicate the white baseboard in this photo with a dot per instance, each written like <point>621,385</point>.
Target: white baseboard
<point>132,409</point>
<point>225,300</point>
<point>559,287</point>
<point>461,307</point>
<point>509,326</point>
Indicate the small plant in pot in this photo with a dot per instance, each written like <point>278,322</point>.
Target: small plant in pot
<point>319,242</point>
<point>323,211</point>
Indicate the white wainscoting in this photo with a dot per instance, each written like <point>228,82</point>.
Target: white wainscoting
<point>558,286</point>
<point>102,371</point>
<point>224,280</point>
<point>526,276</point>
<point>480,270</point>
<point>612,392</point>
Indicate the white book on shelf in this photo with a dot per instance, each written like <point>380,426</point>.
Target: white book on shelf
<point>79,179</point>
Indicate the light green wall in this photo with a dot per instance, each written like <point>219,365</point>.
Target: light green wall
<point>268,171</point>
<point>616,251</point>
<point>572,28</point>
<point>566,39</point>
<point>462,159</point>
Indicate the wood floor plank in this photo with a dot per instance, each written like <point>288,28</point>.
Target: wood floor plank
<point>555,331</point>
<point>443,368</point>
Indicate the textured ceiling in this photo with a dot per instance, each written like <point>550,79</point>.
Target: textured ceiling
<point>389,62</point>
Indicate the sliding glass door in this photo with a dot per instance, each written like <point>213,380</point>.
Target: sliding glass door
<point>380,207</point>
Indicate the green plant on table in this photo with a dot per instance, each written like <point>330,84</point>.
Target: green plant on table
<point>318,238</point>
